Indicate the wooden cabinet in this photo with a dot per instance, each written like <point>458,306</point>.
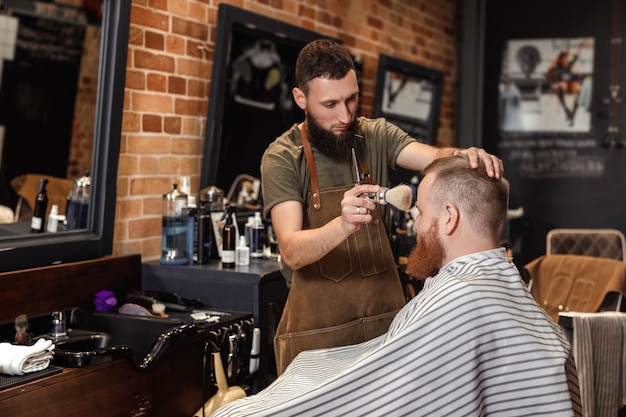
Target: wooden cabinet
<point>172,386</point>
<point>259,289</point>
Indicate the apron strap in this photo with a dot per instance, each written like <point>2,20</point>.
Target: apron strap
<point>308,153</point>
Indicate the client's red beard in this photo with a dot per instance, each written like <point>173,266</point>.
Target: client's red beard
<point>427,257</point>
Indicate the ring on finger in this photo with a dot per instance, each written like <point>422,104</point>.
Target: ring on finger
<point>358,210</point>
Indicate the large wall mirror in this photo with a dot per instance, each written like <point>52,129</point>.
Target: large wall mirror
<point>74,74</point>
<point>255,57</point>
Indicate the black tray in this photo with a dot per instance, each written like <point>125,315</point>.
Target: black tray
<point>9,381</point>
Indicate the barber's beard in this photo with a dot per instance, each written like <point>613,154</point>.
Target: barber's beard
<point>335,146</point>
<point>427,257</point>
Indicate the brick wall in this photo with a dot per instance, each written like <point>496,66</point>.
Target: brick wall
<point>168,78</point>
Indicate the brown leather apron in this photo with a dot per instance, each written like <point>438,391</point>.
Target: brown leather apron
<point>347,297</point>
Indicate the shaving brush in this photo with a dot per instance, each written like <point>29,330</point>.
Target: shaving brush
<point>399,196</point>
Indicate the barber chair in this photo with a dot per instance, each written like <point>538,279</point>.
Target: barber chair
<point>584,270</point>
<point>584,273</point>
<point>603,243</point>
<point>587,284</point>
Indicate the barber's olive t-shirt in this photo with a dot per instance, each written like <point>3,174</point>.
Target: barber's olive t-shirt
<point>286,177</point>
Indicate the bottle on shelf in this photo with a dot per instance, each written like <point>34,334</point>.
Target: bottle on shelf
<point>242,252</point>
<point>78,203</point>
<point>174,228</point>
<point>211,201</point>
<point>229,241</point>
<point>256,236</point>
<point>192,229</point>
<point>204,246</point>
<point>52,225</point>
<point>41,206</point>
<point>247,229</point>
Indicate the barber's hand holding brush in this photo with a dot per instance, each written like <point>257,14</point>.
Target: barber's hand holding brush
<point>362,198</point>
<point>356,207</point>
<point>359,205</point>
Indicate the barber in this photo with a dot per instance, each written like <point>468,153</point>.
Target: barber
<point>335,252</point>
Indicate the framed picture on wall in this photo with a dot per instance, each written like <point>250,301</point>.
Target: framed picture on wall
<point>409,96</point>
<point>545,86</point>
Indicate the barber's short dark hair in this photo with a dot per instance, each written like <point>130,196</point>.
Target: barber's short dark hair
<point>322,58</point>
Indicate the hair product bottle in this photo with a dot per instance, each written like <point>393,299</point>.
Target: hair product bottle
<point>41,206</point>
<point>256,236</point>
<point>53,219</point>
<point>192,229</point>
<point>204,245</point>
<point>242,252</point>
<point>229,241</point>
<point>78,203</point>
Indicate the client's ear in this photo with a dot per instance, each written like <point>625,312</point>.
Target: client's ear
<point>452,216</point>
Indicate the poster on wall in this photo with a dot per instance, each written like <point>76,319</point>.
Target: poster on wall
<point>546,85</point>
<point>545,108</point>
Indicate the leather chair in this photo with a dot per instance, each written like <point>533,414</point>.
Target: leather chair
<point>583,270</point>
<point>587,284</point>
<point>603,243</point>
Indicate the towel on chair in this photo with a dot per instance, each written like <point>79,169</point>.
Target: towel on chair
<point>21,359</point>
<point>600,357</point>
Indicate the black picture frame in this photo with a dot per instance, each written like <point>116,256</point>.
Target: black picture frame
<point>409,95</point>
<point>240,124</point>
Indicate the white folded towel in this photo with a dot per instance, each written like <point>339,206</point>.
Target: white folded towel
<point>20,359</point>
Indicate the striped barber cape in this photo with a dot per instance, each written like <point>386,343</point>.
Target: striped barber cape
<point>473,342</point>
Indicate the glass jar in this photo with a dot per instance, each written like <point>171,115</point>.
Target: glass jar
<point>174,228</point>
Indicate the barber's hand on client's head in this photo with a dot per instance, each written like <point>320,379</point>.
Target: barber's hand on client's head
<point>493,164</point>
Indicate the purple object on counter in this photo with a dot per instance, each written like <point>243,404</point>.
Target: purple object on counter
<point>105,300</point>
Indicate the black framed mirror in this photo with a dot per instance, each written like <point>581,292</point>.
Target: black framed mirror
<point>252,103</point>
<point>22,251</point>
<point>409,95</point>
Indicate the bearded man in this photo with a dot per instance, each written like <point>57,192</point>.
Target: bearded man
<point>473,342</point>
<point>335,252</point>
